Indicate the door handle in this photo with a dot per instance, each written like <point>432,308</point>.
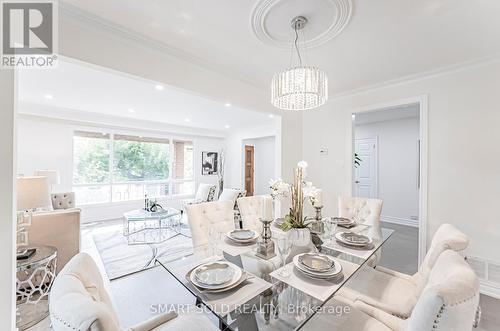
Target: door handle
<point>357,182</point>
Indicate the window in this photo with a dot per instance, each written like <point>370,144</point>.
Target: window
<point>116,167</point>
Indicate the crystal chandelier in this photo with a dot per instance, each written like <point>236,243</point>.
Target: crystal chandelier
<point>302,87</point>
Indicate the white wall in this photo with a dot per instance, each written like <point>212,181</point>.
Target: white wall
<point>264,162</point>
<point>7,201</point>
<point>45,143</point>
<point>397,164</point>
<point>234,170</point>
<point>463,156</point>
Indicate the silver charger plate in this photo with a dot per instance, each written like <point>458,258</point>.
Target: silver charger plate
<point>214,275</point>
<point>316,262</point>
<point>353,239</point>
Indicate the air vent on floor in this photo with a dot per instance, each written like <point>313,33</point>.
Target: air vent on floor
<point>479,266</point>
<point>486,270</point>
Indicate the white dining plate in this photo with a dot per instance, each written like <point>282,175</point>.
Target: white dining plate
<point>337,269</point>
<point>340,238</point>
<point>238,236</point>
<point>236,275</point>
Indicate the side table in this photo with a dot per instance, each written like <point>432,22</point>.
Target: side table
<point>34,279</point>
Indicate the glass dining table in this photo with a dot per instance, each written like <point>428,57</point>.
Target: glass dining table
<point>266,300</point>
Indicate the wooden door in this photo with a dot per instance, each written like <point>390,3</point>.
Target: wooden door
<point>249,170</point>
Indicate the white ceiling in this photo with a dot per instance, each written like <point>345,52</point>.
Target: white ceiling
<point>384,40</point>
<point>80,88</point>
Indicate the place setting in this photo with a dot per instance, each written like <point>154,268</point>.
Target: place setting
<point>223,284</point>
<point>316,274</point>
<point>239,241</point>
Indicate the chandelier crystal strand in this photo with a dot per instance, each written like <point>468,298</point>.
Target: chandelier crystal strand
<point>301,87</point>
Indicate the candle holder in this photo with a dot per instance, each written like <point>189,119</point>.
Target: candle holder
<point>265,246</point>
<point>317,226</point>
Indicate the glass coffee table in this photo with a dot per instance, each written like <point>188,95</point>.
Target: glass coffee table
<point>143,227</point>
<point>267,301</point>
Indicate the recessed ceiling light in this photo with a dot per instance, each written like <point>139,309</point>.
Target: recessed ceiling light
<point>226,126</point>
<point>187,120</point>
<point>159,87</point>
<point>130,110</point>
<point>227,104</point>
<point>271,115</point>
<point>48,96</point>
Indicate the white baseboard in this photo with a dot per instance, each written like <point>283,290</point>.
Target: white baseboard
<point>399,220</point>
<point>489,289</point>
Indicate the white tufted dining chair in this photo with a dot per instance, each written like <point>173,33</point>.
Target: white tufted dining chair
<point>449,300</point>
<point>395,292</point>
<point>202,216</point>
<point>251,212</point>
<point>365,211</point>
<point>79,301</point>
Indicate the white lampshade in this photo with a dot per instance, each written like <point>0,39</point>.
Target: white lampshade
<point>52,176</point>
<point>32,192</point>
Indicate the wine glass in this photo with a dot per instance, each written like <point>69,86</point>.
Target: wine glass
<point>330,227</point>
<point>284,248</point>
<point>214,237</point>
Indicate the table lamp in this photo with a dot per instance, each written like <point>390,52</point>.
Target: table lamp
<point>52,176</point>
<point>32,192</point>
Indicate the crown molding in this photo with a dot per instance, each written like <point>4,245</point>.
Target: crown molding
<point>100,24</point>
<point>442,71</point>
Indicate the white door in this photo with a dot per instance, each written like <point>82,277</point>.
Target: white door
<point>365,174</point>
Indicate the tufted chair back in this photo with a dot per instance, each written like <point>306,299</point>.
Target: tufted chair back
<point>79,299</point>
<point>366,211</point>
<point>446,237</point>
<point>63,200</point>
<point>450,299</point>
<point>251,212</point>
<point>202,216</point>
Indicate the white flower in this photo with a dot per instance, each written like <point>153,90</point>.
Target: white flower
<point>309,190</point>
<point>278,188</point>
<point>302,164</point>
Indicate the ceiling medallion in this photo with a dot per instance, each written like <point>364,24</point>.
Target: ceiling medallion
<point>330,18</point>
<point>299,87</point>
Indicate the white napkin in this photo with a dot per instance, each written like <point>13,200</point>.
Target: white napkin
<point>225,302</point>
<point>319,288</point>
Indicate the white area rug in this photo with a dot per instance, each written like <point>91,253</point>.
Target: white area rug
<point>120,258</point>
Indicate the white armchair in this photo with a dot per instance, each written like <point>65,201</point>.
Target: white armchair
<point>397,293</point>
<point>448,302</point>
<point>251,212</point>
<point>201,217</point>
<point>79,301</point>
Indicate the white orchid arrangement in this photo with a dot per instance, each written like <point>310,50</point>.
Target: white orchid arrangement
<point>279,188</point>
<point>299,191</point>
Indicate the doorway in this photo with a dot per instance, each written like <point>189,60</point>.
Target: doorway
<point>365,171</point>
<point>389,144</point>
<point>249,169</point>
